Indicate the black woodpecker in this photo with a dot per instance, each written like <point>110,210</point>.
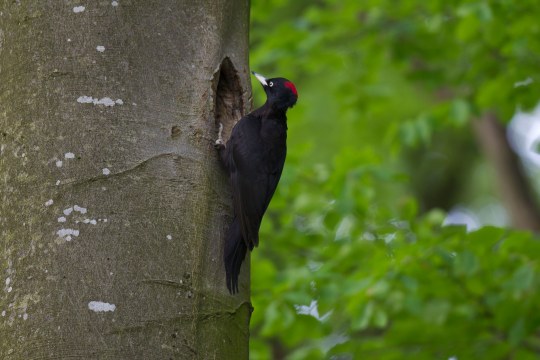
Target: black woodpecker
<point>254,157</point>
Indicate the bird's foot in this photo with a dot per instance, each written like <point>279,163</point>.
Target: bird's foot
<point>219,142</point>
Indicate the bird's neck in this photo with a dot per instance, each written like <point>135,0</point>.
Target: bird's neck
<point>272,111</point>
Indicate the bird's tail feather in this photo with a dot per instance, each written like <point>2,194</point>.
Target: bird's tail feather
<point>234,254</point>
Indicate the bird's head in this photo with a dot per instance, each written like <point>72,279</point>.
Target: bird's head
<point>280,92</point>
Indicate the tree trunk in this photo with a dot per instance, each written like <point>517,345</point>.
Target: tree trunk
<point>113,205</point>
<point>516,193</point>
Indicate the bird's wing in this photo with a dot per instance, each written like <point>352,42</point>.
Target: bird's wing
<point>253,182</point>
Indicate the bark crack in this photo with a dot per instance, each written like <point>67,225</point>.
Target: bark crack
<point>125,171</point>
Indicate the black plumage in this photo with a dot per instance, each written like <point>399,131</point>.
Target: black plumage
<point>254,158</point>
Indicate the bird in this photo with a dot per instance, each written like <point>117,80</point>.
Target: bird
<point>254,157</point>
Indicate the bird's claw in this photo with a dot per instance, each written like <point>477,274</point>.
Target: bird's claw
<point>219,144</point>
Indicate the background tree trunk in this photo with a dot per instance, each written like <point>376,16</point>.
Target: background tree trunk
<point>112,200</point>
<point>516,193</point>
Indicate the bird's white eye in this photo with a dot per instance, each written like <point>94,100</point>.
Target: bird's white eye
<point>270,84</point>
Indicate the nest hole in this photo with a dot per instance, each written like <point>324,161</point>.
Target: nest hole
<point>229,105</point>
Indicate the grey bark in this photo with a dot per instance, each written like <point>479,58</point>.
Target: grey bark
<point>111,194</point>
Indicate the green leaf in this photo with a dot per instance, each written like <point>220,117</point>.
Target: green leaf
<point>436,311</point>
<point>460,113</point>
<point>517,332</point>
<point>465,263</point>
<point>364,319</point>
<point>380,318</point>
<point>522,279</point>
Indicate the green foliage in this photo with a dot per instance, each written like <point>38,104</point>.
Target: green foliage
<point>387,93</point>
<point>388,283</point>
